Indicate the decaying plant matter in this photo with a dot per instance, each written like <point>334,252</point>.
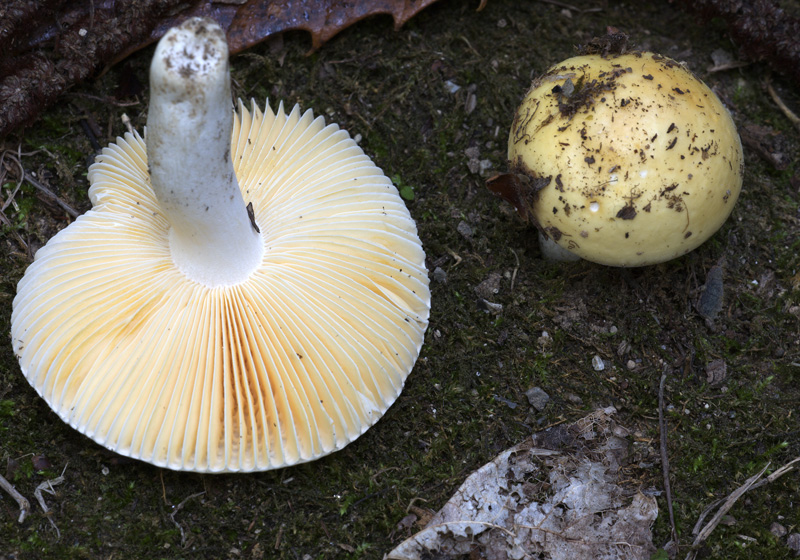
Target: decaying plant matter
<point>51,45</point>
<point>762,28</point>
<point>564,493</point>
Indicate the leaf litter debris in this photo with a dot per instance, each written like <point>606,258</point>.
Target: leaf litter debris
<point>566,493</point>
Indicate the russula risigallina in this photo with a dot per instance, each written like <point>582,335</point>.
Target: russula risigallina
<point>622,159</point>
<point>247,292</point>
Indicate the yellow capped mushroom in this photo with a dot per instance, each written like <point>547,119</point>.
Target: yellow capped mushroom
<point>623,159</point>
<point>247,292</point>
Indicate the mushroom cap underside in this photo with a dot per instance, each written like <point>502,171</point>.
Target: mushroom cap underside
<point>285,367</point>
<point>635,160</point>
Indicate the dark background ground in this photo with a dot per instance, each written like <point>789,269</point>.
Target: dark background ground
<point>465,400</point>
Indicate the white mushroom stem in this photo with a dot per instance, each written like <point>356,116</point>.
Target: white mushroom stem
<point>212,238</point>
<point>552,251</point>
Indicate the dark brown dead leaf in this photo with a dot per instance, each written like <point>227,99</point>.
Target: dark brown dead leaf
<point>40,462</point>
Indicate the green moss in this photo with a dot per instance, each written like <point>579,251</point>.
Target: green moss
<point>465,401</point>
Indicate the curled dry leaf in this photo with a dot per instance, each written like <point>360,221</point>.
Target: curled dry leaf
<point>561,494</point>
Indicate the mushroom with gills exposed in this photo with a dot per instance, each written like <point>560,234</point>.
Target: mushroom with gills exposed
<point>171,325</point>
<point>622,159</point>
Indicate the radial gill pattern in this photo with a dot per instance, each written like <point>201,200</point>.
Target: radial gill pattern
<point>287,366</point>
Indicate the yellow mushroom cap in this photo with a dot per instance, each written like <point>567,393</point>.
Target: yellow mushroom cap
<point>284,367</point>
<point>629,159</point>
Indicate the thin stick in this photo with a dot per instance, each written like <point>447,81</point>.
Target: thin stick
<point>662,427</point>
<point>724,508</point>
<point>709,509</point>
<point>795,120</point>
<point>47,486</point>
<point>177,509</point>
<point>25,176</point>
<point>24,504</point>
<point>163,488</point>
<point>69,209</point>
<point>731,500</point>
<point>777,474</point>
<point>516,268</point>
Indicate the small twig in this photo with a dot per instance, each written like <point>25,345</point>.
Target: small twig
<point>709,509</point>
<point>777,474</point>
<point>87,130</point>
<point>177,509</point>
<point>126,120</point>
<point>662,427</point>
<point>724,508</point>
<point>454,255</point>
<point>106,100</point>
<point>726,66</point>
<point>163,488</point>
<point>794,119</point>
<point>10,200</point>
<point>749,484</point>
<point>24,504</point>
<point>25,176</point>
<point>69,209</point>
<point>516,268</point>
<point>47,486</point>
<point>11,196</point>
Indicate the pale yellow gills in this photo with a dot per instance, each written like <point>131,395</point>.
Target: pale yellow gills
<point>291,364</point>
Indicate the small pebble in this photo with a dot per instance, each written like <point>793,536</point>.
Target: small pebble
<point>465,229</point>
<point>490,306</point>
<point>598,364</point>
<point>544,341</point>
<point>490,286</point>
<point>451,86</point>
<point>440,275</point>
<point>537,397</point>
<point>716,372</point>
<point>793,542</point>
<point>470,103</point>
<point>574,398</point>
<point>777,529</point>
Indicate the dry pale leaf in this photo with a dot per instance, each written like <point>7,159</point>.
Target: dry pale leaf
<point>559,495</point>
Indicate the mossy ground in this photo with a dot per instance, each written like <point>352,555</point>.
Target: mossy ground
<point>393,89</point>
